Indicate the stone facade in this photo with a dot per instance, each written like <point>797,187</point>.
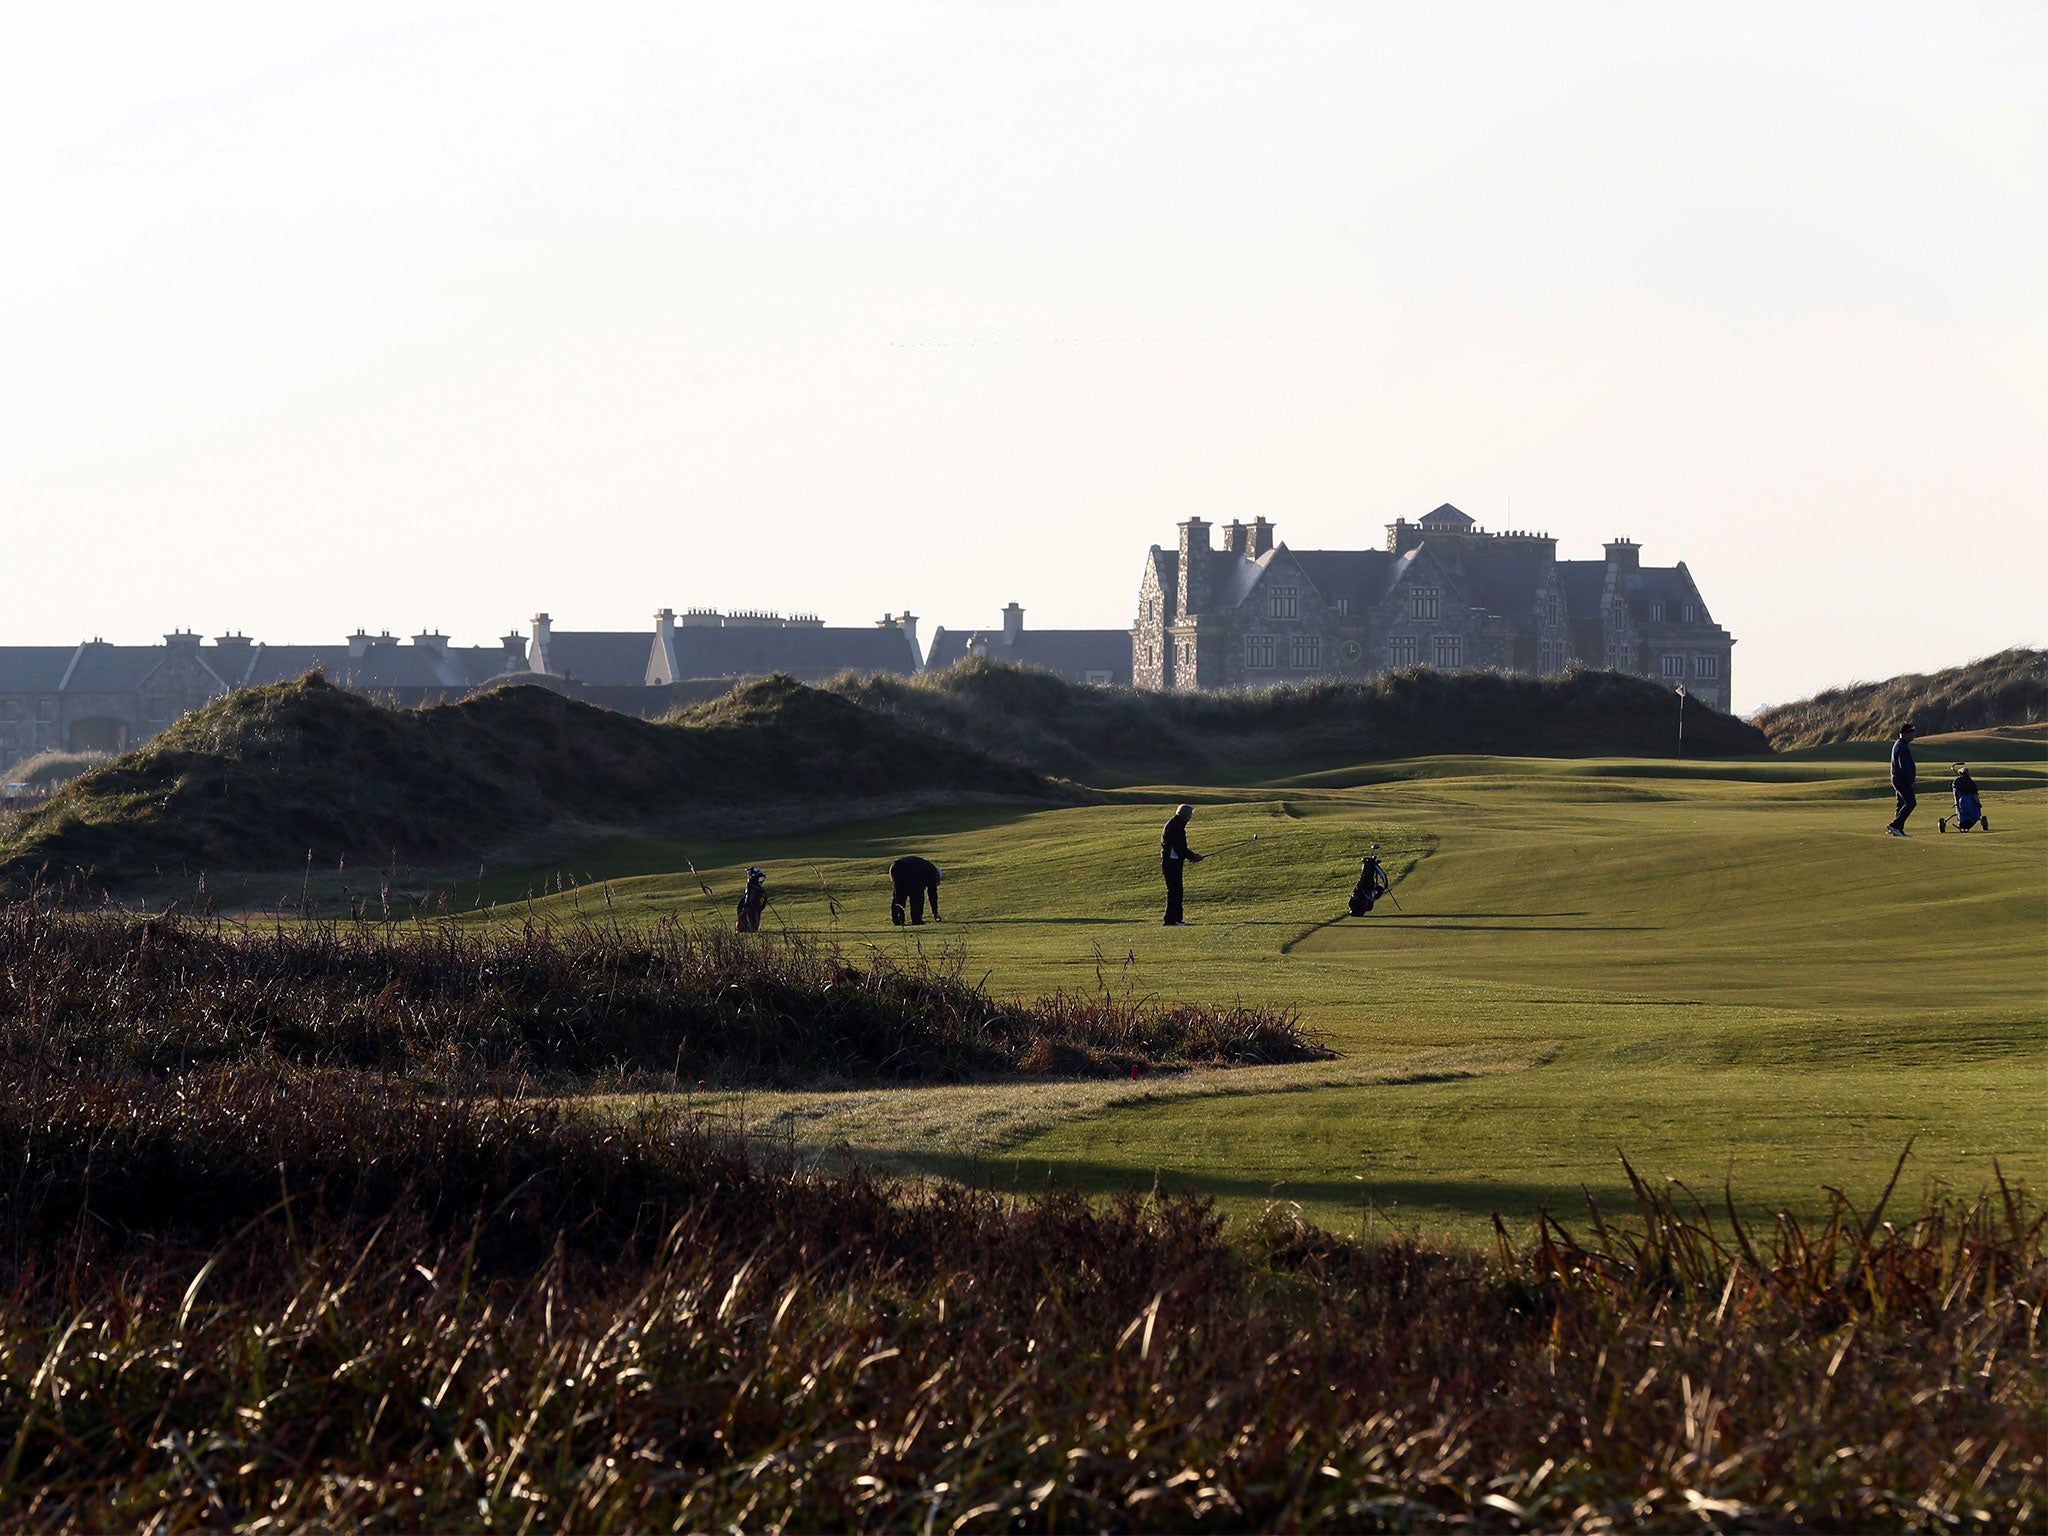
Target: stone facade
<point>1442,593</point>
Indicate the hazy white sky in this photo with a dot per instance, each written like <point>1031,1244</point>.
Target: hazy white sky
<point>433,315</point>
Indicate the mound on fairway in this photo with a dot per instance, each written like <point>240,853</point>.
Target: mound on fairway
<point>262,778</point>
<point>2008,689</point>
<point>1030,716</point>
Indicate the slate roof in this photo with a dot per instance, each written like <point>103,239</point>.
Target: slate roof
<point>381,666</point>
<point>1446,516</point>
<point>1505,579</point>
<point>1232,577</point>
<point>34,668</point>
<point>482,663</point>
<point>1362,575</point>
<point>1072,653</point>
<point>740,650</point>
<point>1584,583</point>
<point>1664,584</point>
<point>604,657</point>
<point>114,668</point>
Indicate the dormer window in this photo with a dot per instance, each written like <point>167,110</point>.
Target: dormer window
<point>1692,613</point>
<point>1656,613</point>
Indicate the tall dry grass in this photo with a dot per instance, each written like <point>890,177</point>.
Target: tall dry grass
<point>455,1001</point>
<point>261,1300</point>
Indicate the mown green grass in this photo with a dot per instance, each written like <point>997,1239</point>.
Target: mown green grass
<point>1724,970</point>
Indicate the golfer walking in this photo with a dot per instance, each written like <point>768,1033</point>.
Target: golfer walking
<point>1903,775</point>
<point>1174,858</point>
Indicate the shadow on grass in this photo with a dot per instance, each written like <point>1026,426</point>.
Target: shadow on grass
<point>1477,1199</point>
<point>1431,925</point>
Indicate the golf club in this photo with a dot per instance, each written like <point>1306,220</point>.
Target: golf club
<point>1390,887</point>
<point>1243,842</point>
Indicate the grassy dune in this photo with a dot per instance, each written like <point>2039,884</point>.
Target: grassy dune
<point>2008,689</point>
<point>1724,969</point>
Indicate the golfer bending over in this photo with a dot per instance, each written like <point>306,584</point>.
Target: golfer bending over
<point>913,882</point>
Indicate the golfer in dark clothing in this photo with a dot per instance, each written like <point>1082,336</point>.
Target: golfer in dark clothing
<point>1174,857</point>
<point>1903,775</point>
<point>913,882</point>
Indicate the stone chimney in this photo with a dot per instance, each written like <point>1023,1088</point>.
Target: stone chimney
<point>1013,623</point>
<point>661,662</point>
<point>514,647</point>
<point>1194,567</point>
<point>1403,535</point>
<point>359,643</point>
<point>1624,555</point>
<point>910,633</point>
<point>543,637</point>
<point>435,645</point>
<point>1262,537</point>
<point>1234,537</point>
<point>183,642</point>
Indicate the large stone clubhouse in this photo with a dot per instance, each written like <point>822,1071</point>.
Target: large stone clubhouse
<point>1442,593</point>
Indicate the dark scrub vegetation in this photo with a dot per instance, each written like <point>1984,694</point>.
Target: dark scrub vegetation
<point>265,1298</point>
<point>1099,735</point>
<point>653,1002</point>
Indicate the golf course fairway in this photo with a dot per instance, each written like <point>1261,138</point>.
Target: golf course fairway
<point>1723,970</point>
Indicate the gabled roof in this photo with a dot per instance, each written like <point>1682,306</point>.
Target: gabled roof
<point>1232,577</point>
<point>1166,571</point>
<point>604,657</point>
<point>1360,575</point>
<point>1447,516</point>
<point>1072,653</point>
<point>113,668</point>
<point>481,663</point>
<point>34,668</point>
<point>1663,584</point>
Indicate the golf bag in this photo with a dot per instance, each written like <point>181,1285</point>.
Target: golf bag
<point>1372,885</point>
<point>751,905</point>
<point>1969,808</point>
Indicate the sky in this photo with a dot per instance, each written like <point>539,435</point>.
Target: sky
<point>435,316</point>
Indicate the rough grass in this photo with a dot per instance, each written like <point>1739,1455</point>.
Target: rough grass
<point>272,778</point>
<point>658,1002</point>
<point>2010,688</point>
<point>1030,716</point>
<point>45,771</point>
<point>280,1300</point>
